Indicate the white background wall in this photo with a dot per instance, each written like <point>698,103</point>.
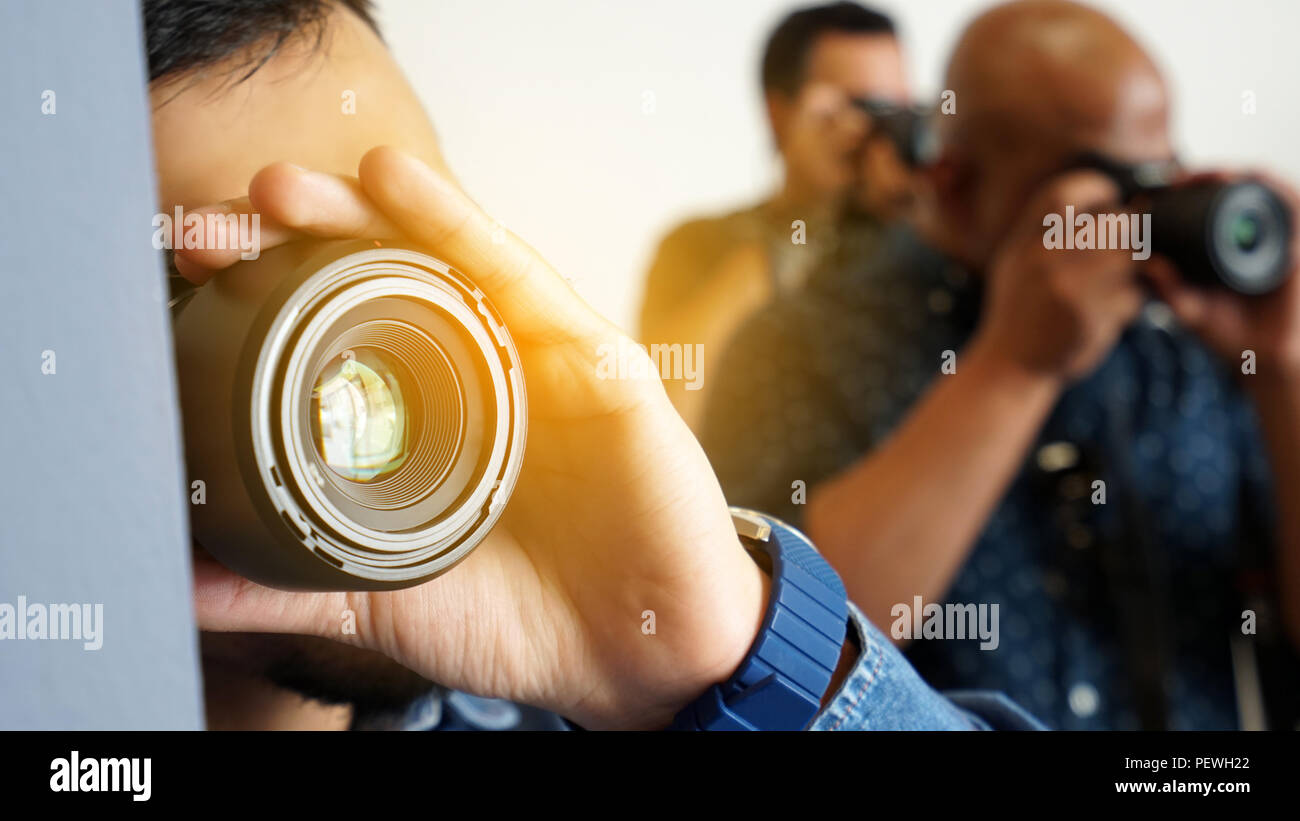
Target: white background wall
<point>589,127</point>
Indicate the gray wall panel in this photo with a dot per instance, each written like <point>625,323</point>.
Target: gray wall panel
<point>92,492</point>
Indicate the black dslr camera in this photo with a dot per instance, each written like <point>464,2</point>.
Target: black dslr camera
<point>907,127</point>
<point>1235,235</point>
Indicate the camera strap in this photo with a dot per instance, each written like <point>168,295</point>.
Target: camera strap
<point>1135,572</point>
<point>1126,558</point>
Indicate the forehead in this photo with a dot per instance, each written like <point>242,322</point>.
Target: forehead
<point>321,106</point>
<point>1137,129</point>
<point>860,64</point>
<point>1038,113</point>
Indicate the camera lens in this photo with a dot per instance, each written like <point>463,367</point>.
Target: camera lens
<point>1245,231</point>
<point>360,418</point>
<point>356,411</point>
<point>1250,237</point>
<point>1233,234</point>
<point>387,414</point>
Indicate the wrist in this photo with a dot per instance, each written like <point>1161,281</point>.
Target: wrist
<point>692,649</point>
<point>751,621</point>
<point>748,609</point>
<point>736,625</point>
<point>983,360</point>
<point>782,680</point>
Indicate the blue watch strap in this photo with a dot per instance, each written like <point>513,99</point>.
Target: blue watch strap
<point>780,683</point>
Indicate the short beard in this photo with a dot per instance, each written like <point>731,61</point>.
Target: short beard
<point>319,669</point>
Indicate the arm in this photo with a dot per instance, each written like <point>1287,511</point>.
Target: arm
<point>899,523</point>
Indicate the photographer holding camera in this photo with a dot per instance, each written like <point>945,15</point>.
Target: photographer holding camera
<point>981,416</point>
<point>841,180</point>
<point>616,589</point>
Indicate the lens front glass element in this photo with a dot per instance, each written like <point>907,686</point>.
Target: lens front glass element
<point>387,421</point>
<point>362,421</point>
<point>1246,230</point>
<point>1250,237</point>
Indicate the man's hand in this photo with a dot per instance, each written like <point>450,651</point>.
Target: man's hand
<point>617,511</point>
<point>1056,313</point>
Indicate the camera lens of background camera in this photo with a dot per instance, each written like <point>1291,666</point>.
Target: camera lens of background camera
<point>1245,231</point>
<point>1249,237</point>
<point>1235,235</point>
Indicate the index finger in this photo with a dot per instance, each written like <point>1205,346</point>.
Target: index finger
<point>290,203</point>
<point>535,302</point>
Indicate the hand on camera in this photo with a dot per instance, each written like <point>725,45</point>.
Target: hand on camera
<point>617,511</point>
<point>1056,313</point>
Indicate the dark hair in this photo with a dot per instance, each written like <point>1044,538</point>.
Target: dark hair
<point>184,35</point>
<point>786,55</point>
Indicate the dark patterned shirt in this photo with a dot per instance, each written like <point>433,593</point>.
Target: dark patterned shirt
<point>1089,594</point>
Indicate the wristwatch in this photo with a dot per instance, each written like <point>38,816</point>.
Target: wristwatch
<point>780,683</point>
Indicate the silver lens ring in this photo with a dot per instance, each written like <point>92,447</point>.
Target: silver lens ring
<point>303,332</point>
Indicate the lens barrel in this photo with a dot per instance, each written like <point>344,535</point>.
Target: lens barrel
<point>1237,235</point>
<point>355,411</point>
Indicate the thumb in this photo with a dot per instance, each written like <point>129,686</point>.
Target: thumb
<point>534,301</point>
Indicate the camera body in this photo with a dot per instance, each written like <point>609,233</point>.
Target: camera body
<point>907,127</point>
<point>355,410</point>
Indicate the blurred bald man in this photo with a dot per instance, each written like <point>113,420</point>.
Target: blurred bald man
<point>955,414</point>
